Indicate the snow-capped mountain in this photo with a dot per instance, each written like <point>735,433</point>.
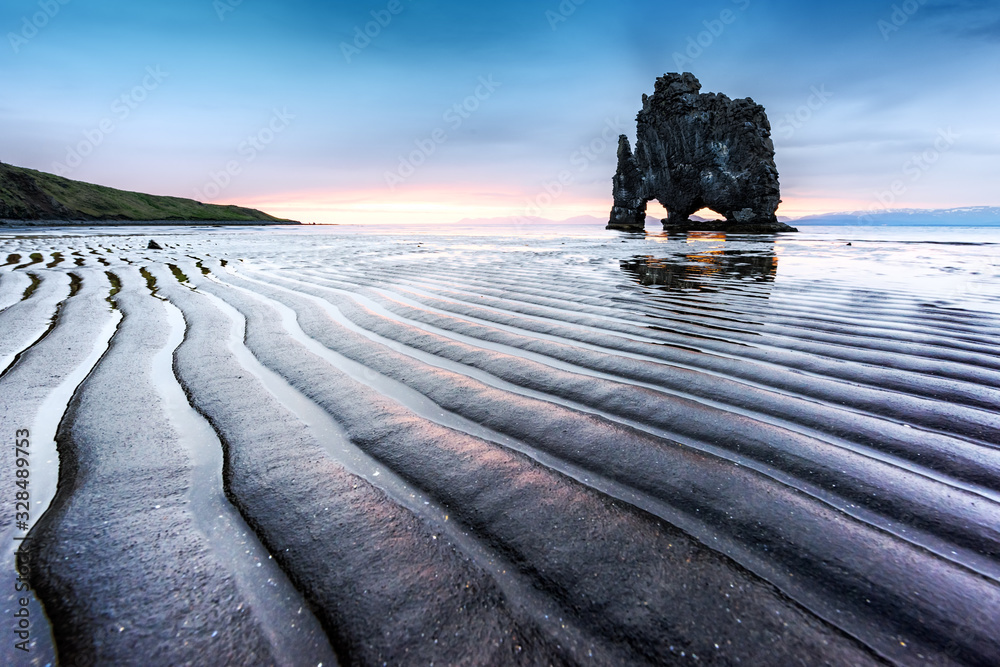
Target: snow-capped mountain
<point>973,216</point>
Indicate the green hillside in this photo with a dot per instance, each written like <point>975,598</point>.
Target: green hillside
<point>26,194</point>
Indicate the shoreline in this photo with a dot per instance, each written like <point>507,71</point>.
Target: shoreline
<point>7,223</point>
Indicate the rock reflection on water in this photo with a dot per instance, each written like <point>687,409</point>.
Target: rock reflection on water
<point>719,265</point>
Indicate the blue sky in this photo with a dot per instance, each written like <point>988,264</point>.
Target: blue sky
<point>284,105</point>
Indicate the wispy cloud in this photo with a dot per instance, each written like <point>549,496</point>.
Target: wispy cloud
<point>964,18</point>
<point>990,31</point>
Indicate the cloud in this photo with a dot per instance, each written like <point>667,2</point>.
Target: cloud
<point>977,19</point>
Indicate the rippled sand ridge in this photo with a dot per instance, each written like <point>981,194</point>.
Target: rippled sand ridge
<point>365,446</point>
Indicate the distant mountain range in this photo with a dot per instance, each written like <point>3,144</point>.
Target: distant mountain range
<point>535,220</point>
<point>33,196</point>
<point>971,216</point>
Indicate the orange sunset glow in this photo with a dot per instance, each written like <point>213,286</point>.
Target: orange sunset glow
<point>440,206</point>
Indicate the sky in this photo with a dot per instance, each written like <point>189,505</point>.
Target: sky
<point>395,111</point>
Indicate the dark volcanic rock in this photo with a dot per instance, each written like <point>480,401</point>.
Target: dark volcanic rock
<point>696,151</point>
<point>153,245</point>
<point>726,226</point>
<point>630,204</point>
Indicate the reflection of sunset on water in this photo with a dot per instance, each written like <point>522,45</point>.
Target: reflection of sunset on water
<point>708,268</point>
<point>694,237</point>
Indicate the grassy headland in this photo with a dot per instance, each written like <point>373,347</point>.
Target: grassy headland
<point>29,195</point>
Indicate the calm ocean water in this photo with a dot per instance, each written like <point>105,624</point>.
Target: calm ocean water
<point>948,266</point>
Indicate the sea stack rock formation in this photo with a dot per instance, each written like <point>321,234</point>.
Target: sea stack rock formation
<point>698,150</point>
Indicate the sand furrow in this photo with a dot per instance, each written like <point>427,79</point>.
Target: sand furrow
<point>820,304</point>
<point>735,391</point>
<point>979,365</point>
<point>36,391</point>
<point>12,260</point>
<point>386,588</point>
<point>25,322</point>
<point>846,565</point>
<point>735,310</point>
<point>911,320</point>
<point>798,373</point>
<point>12,288</point>
<point>119,545</point>
<point>603,555</point>
<point>922,451</point>
<point>935,515</point>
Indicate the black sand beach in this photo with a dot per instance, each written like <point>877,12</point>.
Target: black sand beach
<point>561,447</point>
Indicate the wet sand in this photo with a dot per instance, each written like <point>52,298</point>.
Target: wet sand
<point>563,446</point>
